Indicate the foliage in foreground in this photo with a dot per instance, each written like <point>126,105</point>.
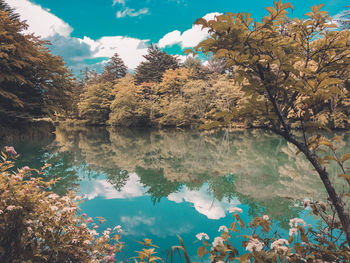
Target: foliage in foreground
<point>39,226</point>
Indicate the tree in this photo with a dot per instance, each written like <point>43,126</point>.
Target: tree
<point>157,62</point>
<point>289,79</point>
<point>115,69</point>
<point>94,106</point>
<point>345,18</point>
<point>33,82</point>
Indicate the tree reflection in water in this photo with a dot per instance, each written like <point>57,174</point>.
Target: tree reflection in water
<point>257,167</point>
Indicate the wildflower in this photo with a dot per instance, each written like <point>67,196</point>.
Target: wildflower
<point>295,221</point>
<point>306,202</point>
<point>53,207</point>
<point>118,228</point>
<point>254,245</point>
<point>65,199</point>
<point>84,214</point>
<point>278,245</point>
<point>265,217</point>
<point>25,169</point>
<point>11,207</point>
<point>18,177</point>
<point>53,196</point>
<point>96,226</point>
<point>83,225</point>
<point>293,231</point>
<point>200,236</point>
<point>94,233</point>
<point>223,228</point>
<point>90,220</point>
<point>87,242</point>
<point>218,241</point>
<point>106,233</point>
<point>10,150</point>
<point>108,229</point>
<point>108,259</point>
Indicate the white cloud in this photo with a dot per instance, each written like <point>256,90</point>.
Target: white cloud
<point>203,202</point>
<point>100,187</point>
<point>131,50</point>
<point>131,12</point>
<point>121,2</point>
<point>40,21</point>
<point>189,38</point>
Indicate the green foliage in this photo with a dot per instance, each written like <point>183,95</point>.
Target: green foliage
<point>127,108</point>
<point>157,62</point>
<point>40,226</point>
<point>33,82</point>
<point>115,69</point>
<point>95,103</point>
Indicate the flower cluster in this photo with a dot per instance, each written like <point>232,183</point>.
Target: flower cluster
<point>202,235</point>
<point>254,245</point>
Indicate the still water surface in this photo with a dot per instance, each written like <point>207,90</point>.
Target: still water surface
<point>157,184</point>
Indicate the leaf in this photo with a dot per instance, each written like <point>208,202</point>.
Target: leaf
<point>271,10</point>
<point>345,157</point>
<point>201,251</point>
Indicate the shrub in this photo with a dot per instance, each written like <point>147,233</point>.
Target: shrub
<point>37,225</point>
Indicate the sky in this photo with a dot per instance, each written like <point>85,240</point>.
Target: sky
<point>88,32</point>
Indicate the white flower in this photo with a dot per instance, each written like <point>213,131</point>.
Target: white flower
<point>118,228</point>
<point>200,236</point>
<point>94,233</point>
<point>83,225</point>
<point>223,228</point>
<point>53,208</point>
<point>265,217</point>
<point>235,209</point>
<point>53,196</point>
<point>295,221</point>
<point>293,231</point>
<point>218,241</point>
<point>11,207</point>
<point>278,245</point>
<point>106,233</point>
<point>254,245</point>
<point>65,198</point>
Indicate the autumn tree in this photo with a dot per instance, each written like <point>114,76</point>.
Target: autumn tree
<point>289,78</point>
<point>157,62</point>
<point>94,106</point>
<point>115,69</point>
<point>33,82</point>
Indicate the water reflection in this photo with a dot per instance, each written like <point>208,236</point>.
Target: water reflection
<point>161,183</point>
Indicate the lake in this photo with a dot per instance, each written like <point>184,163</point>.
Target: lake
<point>157,184</point>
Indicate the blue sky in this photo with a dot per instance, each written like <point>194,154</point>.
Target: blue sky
<point>87,32</point>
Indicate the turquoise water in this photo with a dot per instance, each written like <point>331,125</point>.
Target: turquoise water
<point>157,184</point>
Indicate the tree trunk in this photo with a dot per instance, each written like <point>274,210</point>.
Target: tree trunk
<point>333,196</point>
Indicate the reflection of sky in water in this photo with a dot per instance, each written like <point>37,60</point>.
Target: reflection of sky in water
<point>186,213</point>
